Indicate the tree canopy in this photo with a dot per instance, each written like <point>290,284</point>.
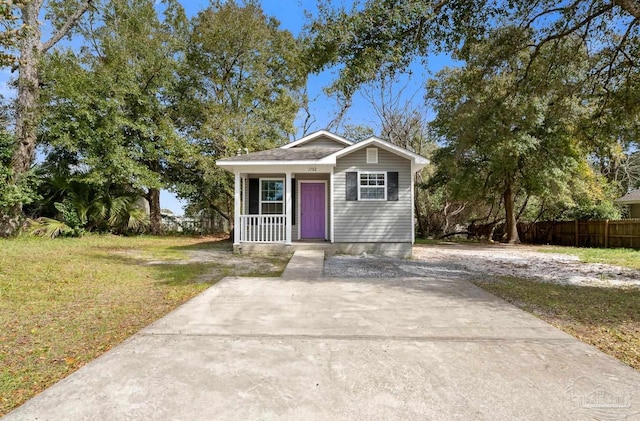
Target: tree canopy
<point>502,134</point>
<point>376,38</point>
<point>109,103</point>
<point>542,111</point>
<point>144,99</point>
<point>241,86</point>
<point>540,118</point>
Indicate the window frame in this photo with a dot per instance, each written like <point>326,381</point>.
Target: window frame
<point>384,186</point>
<point>261,202</point>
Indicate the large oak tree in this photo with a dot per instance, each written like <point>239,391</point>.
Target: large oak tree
<point>108,104</point>
<point>503,134</point>
<point>23,48</point>
<point>241,89</point>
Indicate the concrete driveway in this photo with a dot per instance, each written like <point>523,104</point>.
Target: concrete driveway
<point>356,349</point>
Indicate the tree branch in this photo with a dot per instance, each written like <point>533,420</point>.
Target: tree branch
<point>71,20</point>
<point>630,6</point>
<point>220,212</point>
<point>564,33</point>
<point>551,11</point>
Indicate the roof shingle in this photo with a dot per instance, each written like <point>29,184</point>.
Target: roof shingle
<point>631,197</point>
<point>293,154</point>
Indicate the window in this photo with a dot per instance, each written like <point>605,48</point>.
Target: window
<point>372,186</point>
<point>271,197</point>
<point>372,155</point>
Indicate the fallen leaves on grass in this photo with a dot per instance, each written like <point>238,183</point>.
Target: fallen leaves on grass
<point>64,302</point>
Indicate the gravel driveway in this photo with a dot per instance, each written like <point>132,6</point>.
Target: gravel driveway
<point>470,261</point>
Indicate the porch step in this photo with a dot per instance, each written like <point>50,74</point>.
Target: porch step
<point>305,264</point>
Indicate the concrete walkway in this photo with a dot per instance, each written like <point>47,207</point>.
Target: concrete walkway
<point>337,349</point>
<point>305,264</point>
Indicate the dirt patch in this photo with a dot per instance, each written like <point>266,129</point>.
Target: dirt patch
<point>224,262</point>
<point>241,265</point>
<point>485,260</point>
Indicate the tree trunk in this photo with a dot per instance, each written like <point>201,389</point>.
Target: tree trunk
<point>11,221</point>
<point>31,49</point>
<point>28,90</point>
<point>155,219</point>
<point>510,214</point>
<point>26,110</point>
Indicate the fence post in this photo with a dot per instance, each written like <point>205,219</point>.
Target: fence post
<point>606,234</point>
<point>577,234</point>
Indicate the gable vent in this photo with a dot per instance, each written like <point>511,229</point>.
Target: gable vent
<point>372,155</point>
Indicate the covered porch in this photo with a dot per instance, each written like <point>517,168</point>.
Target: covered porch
<point>281,208</point>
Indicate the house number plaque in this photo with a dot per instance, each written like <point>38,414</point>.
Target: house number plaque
<point>312,169</point>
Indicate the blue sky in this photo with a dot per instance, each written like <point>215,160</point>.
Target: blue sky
<point>291,14</point>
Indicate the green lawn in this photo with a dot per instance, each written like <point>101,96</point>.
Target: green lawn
<point>64,302</point>
<point>620,257</point>
<point>607,318</point>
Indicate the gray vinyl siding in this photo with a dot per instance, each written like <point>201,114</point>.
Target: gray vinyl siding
<point>372,221</point>
<point>320,142</point>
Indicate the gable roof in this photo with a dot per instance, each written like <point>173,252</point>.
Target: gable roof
<point>629,198</point>
<point>309,153</point>
<point>315,135</point>
<point>320,155</point>
<point>416,159</point>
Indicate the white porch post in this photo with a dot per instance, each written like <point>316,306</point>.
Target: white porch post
<point>236,210</point>
<point>288,211</point>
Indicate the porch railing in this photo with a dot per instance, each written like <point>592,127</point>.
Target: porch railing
<point>262,228</point>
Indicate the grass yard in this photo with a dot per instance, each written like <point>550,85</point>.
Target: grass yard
<point>628,258</point>
<point>64,302</point>
<point>607,318</point>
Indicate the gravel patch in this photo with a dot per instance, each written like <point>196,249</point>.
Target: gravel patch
<point>487,261</point>
<point>370,266</point>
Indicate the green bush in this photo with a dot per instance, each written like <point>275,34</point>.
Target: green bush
<point>597,211</point>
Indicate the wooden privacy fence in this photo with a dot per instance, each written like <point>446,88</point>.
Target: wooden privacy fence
<point>607,234</point>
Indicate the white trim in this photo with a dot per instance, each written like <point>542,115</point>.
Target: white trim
<point>260,201</point>
<point>288,209</point>
<point>222,163</point>
<point>236,209</point>
<point>372,155</point>
<point>315,135</point>
<point>331,211</point>
<point>326,213</point>
<point>386,183</point>
<point>278,167</point>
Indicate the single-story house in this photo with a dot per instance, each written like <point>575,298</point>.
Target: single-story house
<point>325,188</point>
<point>632,201</point>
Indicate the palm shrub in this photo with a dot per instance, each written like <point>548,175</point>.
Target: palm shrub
<point>71,206</point>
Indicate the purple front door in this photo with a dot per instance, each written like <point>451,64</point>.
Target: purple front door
<point>312,210</point>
